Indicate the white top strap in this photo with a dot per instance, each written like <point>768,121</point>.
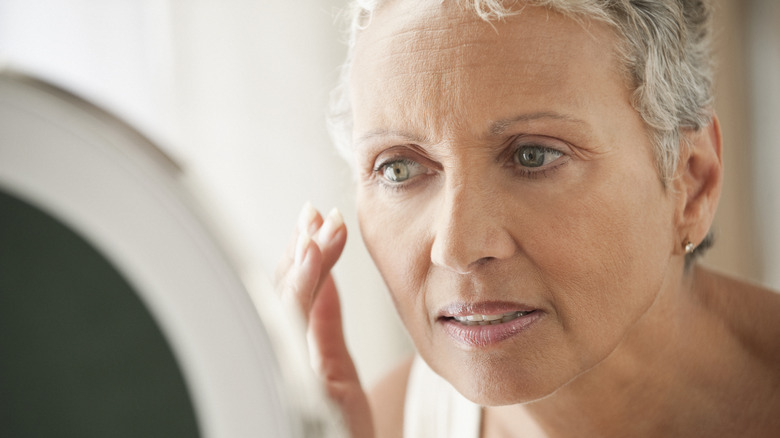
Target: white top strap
<point>434,409</point>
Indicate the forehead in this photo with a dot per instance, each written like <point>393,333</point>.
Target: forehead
<point>447,32</point>
<point>425,59</point>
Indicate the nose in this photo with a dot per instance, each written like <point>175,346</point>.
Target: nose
<point>469,230</point>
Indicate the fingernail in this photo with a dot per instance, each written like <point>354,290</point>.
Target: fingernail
<point>306,216</point>
<point>300,248</point>
<point>332,223</point>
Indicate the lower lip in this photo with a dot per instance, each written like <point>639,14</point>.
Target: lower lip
<point>481,336</point>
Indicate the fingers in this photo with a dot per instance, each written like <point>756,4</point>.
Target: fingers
<point>306,283</point>
<point>309,220</point>
<point>309,258</point>
<point>332,362</point>
<point>300,282</point>
<point>330,238</point>
<point>326,336</point>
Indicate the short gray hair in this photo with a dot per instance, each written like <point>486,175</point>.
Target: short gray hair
<point>664,46</point>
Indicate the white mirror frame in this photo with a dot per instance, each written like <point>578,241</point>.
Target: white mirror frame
<point>113,187</point>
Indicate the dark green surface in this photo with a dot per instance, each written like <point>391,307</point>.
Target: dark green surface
<point>80,355</point>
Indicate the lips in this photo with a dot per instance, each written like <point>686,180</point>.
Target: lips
<point>482,325</point>
<point>480,319</point>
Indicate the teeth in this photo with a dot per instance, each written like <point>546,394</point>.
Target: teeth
<point>478,319</point>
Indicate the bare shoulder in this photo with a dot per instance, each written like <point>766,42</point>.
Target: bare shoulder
<point>753,312</point>
<point>387,401</point>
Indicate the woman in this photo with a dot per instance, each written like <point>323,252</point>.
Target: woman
<point>534,182</point>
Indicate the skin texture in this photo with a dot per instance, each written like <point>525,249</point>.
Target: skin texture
<point>478,227</point>
<point>448,109</point>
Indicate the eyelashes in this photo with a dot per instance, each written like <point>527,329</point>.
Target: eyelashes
<point>400,170</point>
<point>535,156</point>
<point>536,161</point>
<point>528,157</point>
<point>400,174</point>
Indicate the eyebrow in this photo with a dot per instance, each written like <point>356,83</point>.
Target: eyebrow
<point>390,132</point>
<point>496,128</point>
<point>500,126</point>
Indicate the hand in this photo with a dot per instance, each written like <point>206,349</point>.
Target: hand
<point>305,283</point>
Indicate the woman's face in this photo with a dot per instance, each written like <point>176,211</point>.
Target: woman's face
<point>504,175</point>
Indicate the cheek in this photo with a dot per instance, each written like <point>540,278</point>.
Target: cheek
<point>395,239</point>
<point>605,249</point>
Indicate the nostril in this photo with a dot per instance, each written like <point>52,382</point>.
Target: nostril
<point>462,253</point>
<point>482,262</point>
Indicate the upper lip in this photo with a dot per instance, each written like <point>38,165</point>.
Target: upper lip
<point>463,308</point>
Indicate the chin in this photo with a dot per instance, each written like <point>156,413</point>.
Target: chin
<point>506,395</point>
<point>501,383</point>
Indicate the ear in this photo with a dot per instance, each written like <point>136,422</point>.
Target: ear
<point>698,182</point>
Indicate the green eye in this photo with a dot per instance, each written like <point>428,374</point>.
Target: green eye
<point>397,171</point>
<point>536,156</point>
<point>401,170</point>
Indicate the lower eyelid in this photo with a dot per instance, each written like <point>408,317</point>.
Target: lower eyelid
<point>543,172</point>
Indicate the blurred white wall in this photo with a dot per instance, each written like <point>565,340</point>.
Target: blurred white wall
<point>236,92</point>
<point>764,63</point>
<point>116,53</point>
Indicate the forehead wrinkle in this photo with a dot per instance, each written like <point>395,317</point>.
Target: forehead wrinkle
<point>382,132</point>
<point>439,56</point>
<point>500,126</point>
<point>431,27</point>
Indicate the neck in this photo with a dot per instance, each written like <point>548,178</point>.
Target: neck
<point>679,357</point>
